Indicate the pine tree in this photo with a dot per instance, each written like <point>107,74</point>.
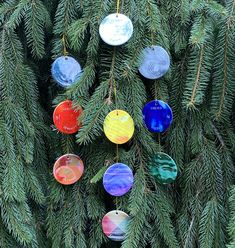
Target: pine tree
<point>37,211</point>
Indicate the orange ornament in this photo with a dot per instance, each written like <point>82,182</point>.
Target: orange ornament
<point>68,169</point>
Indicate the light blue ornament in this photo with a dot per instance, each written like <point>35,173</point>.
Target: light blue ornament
<point>66,71</point>
<point>155,63</point>
<point>116,29</point>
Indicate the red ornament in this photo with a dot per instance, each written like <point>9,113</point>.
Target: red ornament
<point>66,118</point>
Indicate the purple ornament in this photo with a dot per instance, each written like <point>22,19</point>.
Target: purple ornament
<point>118,179</point>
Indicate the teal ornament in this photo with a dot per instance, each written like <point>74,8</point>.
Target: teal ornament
<point>163,168</point>
<point>66,71</point>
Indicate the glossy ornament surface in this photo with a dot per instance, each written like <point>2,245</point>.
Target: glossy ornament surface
<point>163,168</point>
<point>68,169</point>
<point>155,63</point>
<point>118,179</point>
<point>119,126</point>
<point>116,29</point>
<point>66,71</point>
<point>66,118</point>
<point>114,225</point>
<point>157,116</point>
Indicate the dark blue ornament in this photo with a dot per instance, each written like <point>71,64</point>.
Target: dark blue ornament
<point>157,116</point>
<point>66,71</point>
<point>118,179</point>
<point>155,63</point>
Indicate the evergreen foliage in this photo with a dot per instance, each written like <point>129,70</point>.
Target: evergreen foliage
<point>193,212</point>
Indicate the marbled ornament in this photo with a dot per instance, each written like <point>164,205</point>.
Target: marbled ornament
<point>68,169</point>
<point>155,63</point>
<point>163,168</point>
<point>114,225</point>
<point>116,29</point>
<point>65,117</point>
<point>66,71</point>
<point>118,179</point>
<point>119,126</point>
<point>157,116</point>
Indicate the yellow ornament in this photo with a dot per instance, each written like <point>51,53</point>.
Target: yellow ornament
<point>119,126</point>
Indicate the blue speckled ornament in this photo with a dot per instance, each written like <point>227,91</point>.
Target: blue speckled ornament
<point>66,71</point>
<point>156,62</point>
<point>118,179</point>
<point>157,116</point>
<point>163,168</point>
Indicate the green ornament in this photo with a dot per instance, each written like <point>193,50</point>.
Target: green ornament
<point>163,168</point>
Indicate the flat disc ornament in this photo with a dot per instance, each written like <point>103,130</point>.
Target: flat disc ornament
<point>157,116</point>
<point>114,225</point>
<point>155,63</point>
<point>119,126</point>
<point>163,168</point>
<point>66,118</point>
<point>66,71</point>
<point>68,169</point>
<point>116,29</point>
<point>118,179</point>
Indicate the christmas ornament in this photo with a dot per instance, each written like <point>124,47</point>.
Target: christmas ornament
<point>118,179</point>
<point>68,169</point>
<point>66,118</point>
<point>116,29</point>
<point>66,71</point>
<point>156,62</point>
<point>157,116</point>
<point>114,225</point>
<point>163,168</point>
<point>119,126</point>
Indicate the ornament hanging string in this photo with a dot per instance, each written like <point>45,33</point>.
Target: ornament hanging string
<point>151,31</point>
<point>115,100</point>
<point>118,6</point>
<point>159,142</point>
<point>64,45</point>
<point>157,96</point>
<point>115,93</point>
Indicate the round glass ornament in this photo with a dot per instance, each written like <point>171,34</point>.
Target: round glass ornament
<point>66,71</point>
<point>119,126</point>
<point>163,168</point>
<point>157,116</point>
<point>114,225</point>
<point>118,179</point>
<point>68,169</point>
<point>116,29</point>
<point>66,118</point>
<point>155,63</point>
